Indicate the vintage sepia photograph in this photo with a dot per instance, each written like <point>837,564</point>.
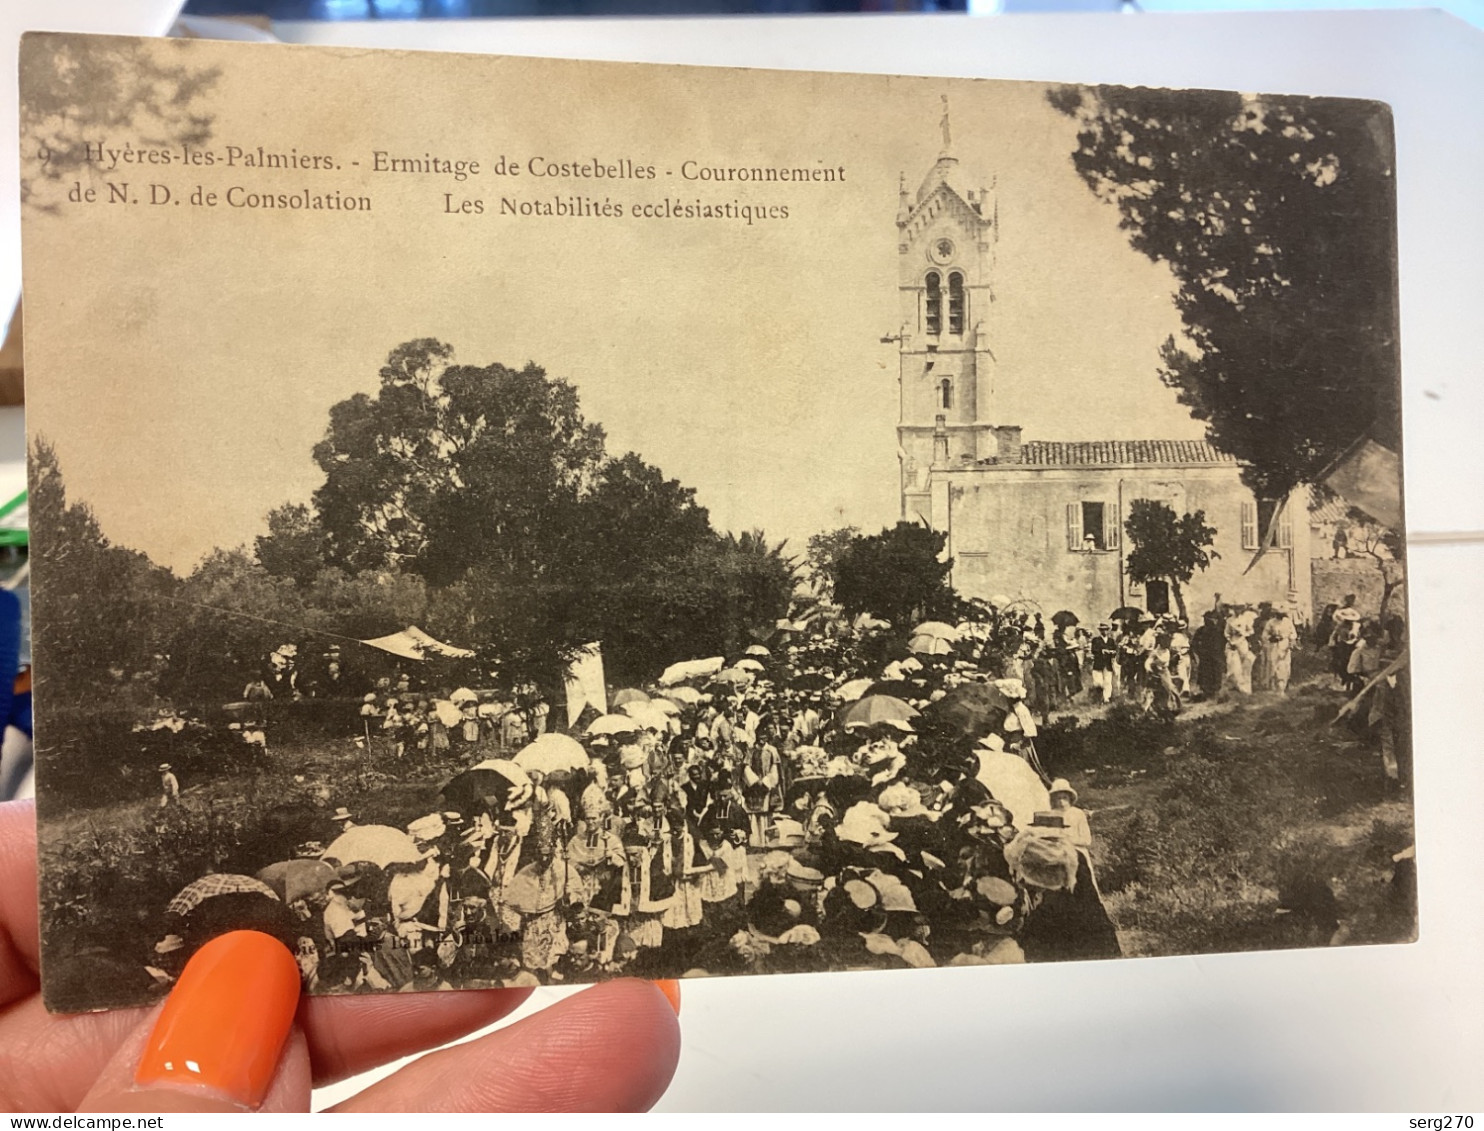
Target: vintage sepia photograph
<point>515,522</point>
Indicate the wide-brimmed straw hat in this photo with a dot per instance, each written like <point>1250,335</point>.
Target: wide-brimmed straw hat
<point>1061,785</point>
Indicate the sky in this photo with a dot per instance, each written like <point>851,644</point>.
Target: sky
<point>184,359</point>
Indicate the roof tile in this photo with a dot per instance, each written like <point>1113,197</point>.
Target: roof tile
<point>1119,453</point>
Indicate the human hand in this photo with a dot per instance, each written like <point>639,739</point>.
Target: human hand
<point>236,1018</point>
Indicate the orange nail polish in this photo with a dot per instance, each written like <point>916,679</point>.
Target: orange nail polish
<point>671,989</point>
<point>225,1023</point>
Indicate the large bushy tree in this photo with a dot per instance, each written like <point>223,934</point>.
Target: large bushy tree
<point>1276,216</point>
<point>896,575</point>
<point>488,484</point>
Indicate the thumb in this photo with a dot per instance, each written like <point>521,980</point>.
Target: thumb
<point>223,1041</point>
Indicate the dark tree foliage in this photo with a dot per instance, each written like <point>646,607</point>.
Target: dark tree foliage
<point>823,555</point>
<point>487,483</point>
<point>1164,546</point>
<point>97,605</point>
<point>896,575</point>
<point>82,91</point>
<point>294,546</point>
<point>1276,216</point>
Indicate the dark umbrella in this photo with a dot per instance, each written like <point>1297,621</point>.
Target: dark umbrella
<point>898,688</point>
<point>1128,612</point>
<point>478,791</point>
<point>1064,617</point>
<point>971,709</point>
<point>243,910</point>
<point>810,681</point>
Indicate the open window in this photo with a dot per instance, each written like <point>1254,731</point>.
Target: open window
<point>1092,525</point>
<point>934,304</point>
<point>956,303</point>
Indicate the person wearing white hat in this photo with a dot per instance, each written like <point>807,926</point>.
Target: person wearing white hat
<point>1279,635</point>
<point>169,787</point>
<point>1074,820</point>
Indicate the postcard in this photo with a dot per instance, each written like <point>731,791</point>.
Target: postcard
<point>504,521</point>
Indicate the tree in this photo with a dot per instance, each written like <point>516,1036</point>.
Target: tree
<point>294,546</point>
<point>896,575</point>
<point>98,608</point>
<point>487,484</point>
<point>822,557</point>
<point>1164,546</point>
<point>79,91</point>
<point>1276,217</point>
<point>449,465</point>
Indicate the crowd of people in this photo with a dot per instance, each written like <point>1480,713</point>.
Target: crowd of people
<point>781,811</point>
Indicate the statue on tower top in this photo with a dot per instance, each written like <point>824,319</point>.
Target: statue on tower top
<point>943,125</point>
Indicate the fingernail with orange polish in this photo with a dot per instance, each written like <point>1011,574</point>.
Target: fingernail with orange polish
<point>671,989</point>
<point>225,1023</point>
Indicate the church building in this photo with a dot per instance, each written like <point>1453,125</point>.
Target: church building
<point>1043,518</point>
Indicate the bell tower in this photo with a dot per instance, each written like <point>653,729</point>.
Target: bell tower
<point>946,237</point>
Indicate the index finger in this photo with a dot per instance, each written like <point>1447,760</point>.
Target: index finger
<point>19,930</point>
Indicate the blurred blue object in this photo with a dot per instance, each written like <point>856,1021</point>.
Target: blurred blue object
<point>332,10</point>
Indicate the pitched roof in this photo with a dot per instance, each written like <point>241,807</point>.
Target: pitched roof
<point>1119,453</point>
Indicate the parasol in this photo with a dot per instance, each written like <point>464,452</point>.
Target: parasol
<point>239,911</point>
<point>647,715</point>
<point>903,689</point>
<point>810,681</point>
<point>972,709</point>
<point>664,706</point>
<point>748,664</point>
<point>463,695</point>
<point>757,650</point>
<point>874,709</point>
<point>925,645</point>
<point>298,879</point>
<point>208,887</point>
<point>376,844</point>
<point>1014,784</point>
<point>999,600</point>
<point>733,677</point>
<point>447,711</point>
<point>614,724</point>
<point>552,753</point>
<point>686,696</point>
<point>484,790</point>
<point>1127,612</point>
<point>937,629</point>
<point>850,692</point>
<point>1062,618</point>
<point>690,669</point>
<point>628,695</point>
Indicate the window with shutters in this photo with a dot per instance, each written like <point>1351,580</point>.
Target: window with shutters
<point>934,303</point>
<point>1092,525</point>
<point>1249,526</point>
<point>1285,527</point>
